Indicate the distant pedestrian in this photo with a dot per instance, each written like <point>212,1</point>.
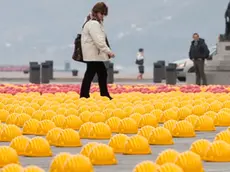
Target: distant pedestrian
<point>140,63</point>
<point>198,53</point>
<point>227,21</point>
<point>95,50</point>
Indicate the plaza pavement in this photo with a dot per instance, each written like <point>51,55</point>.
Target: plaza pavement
<point>126,163</point>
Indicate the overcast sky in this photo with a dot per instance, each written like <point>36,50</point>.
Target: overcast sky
<point>45,29</point>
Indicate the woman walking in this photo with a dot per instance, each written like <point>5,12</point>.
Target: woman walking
<point>95,50</point>
<point>140,63</point>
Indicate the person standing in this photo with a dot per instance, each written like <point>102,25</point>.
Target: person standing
<point>95,50</point>
<point>140,63</point>
<point>198,53</point>
<point>227,21</point>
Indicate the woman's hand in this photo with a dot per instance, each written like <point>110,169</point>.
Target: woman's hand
<point>111,55</point>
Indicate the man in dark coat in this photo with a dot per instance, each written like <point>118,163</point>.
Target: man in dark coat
<point>227,21</point>
<point>198,53</point>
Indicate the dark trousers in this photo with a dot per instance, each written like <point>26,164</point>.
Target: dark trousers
<point>227,29</point>
<point>199,69</point>
<point>141,69</point>
<point>92,69</point>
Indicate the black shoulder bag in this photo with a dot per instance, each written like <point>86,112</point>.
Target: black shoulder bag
<point>139,62</point>
<point>77,54</point>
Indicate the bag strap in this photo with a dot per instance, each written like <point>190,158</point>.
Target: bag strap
<point>86,22</point>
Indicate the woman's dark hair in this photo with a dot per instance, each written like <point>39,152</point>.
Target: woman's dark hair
<point>100,7</point>
<point>141,50</point>
<point>196,34</point>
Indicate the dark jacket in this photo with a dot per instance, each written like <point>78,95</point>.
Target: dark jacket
<point>200,51</point>
<point>227,12</point>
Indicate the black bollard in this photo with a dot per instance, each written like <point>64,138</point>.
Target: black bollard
<point>25,71</point>
<point>45,71</point>
<point>157,73</point>
<point>116,71</point>
<point>67,66</point>
<point>107,63</point>
<point>74,72</point>
<point>171,77</point>
<point>95,79</point>
<point>163,70</point>
<point>33,63</point>
<point>30,65</point>
<point>110,71</point>
<point>34,73</point>
<point>51,70</point>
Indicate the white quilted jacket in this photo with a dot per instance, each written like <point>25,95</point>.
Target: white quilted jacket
<point>94,47</point>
